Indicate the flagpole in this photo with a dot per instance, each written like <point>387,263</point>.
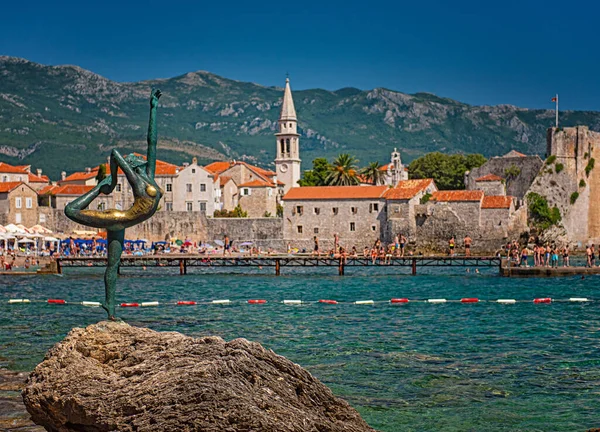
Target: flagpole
<point>556,110</point>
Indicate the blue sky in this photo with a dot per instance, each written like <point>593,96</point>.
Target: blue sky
<point>479,52</point>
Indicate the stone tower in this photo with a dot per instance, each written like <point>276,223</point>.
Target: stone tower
<point>287,163</point>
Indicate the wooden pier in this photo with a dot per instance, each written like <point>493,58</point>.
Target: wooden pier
<point>278,262</point>
<point>513,271</point>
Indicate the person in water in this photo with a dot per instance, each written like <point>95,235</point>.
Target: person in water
<point>147,194</point>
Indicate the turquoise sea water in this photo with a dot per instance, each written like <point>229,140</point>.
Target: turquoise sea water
<point>412,367</point>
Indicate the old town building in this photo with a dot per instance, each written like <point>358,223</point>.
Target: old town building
<point>18,203</point>
<point>22,173</point>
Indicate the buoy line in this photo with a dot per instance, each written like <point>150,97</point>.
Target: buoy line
<point>292,302</point>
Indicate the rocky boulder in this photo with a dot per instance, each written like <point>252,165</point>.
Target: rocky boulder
<point>111,376</point>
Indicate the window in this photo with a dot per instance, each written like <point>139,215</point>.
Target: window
<point>270,192</point>
<point>335,210</point>
<point>188,187</point>
<point>169,187</point>
<point>118,187</point>
<point>102,206</point>
<point>202,206</point>
<point>202,187</point>
<point>42,218</point>
<point>5,178</point>
<point>193,170</point>
<point>246,191</point>
<point>354,210</point>
<point>396,209</point>
<point>352,226</point>
<point>28,202</point>
<point>18,202</point>
<point>188,206</point>
<point>300,210</point>
<point>299,229</point>
<point>169,206</point>
<point>373,207</point>
<point>317,210</point>
<point>316,230</point>
<point>373,228</point>
<point>18,218</point>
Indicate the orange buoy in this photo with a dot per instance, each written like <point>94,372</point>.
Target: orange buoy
<point>469,300</point>
<point>543,300</point>
<point>257,301</point>
<point>186,303</point>
<point>399,300</point>
<point>328,301</point>
<point>56,301</point>
<point>130,304</point>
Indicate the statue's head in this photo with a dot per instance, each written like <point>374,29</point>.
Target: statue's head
<point>135,161</point>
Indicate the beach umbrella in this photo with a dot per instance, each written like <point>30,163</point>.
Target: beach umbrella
<point>12,228</point>
<point>219,242</point>
<point>25,240</point>
<point>51,239</point>
<point>248,243</point>
<point>40,229</point>
<point>24,228</point>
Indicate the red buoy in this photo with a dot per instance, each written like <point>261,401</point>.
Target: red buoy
<point>130,304</point>
<point>469,300</point>
<point>328,301</point>
<point>56,301</point>
<point>186,303</point>
<point>543,300</point>
<point>257,301</point>
<point>399,300</point>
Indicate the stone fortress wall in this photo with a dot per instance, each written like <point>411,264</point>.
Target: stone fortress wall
<point>574,149</point>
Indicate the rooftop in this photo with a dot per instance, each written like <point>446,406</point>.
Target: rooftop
<point>9,186</point>
<point>457,195</point>
<point>496,202</point>
<point>335,192</point>
<point>257,183</point>
<point>67,189</point>
<point>407,189</point>
<point>6,168</point>
<point>489,178</point>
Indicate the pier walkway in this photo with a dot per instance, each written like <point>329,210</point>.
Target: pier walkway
<point>277,262</point>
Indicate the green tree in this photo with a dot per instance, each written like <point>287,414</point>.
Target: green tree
<point>448,171</point>
<point>101,173</point>
<point>279,210</point>
<point>373,173</point>
<point>238,212</point>
<point>317,175</point>
<point>540,213</point>
<point>342,171</point>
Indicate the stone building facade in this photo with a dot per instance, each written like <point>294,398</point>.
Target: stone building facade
<point>22,173</point>
<point>18,204</point>
<point>491,184</point>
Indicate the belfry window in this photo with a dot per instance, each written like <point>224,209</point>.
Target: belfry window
<point>287,145</point>
<point>282,146</point>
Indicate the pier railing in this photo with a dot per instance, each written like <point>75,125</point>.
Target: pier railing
<point>280,261</point>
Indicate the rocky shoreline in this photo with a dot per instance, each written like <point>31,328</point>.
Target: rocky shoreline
<point>13,415</point>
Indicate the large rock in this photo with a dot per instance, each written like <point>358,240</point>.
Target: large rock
<point>114,377</point>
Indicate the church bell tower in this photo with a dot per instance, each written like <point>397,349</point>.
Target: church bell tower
<point>288,161</point>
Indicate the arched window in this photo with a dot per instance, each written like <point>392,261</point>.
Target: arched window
<point>282,146</point>
<point>287,145</point>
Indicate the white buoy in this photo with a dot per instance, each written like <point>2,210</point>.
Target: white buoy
<point>364,302</point>
<point>221,301</point>
<point>18,301</point>
<point>292,302</point>
<point>91,304</point>
<point>578,299</point>
<point>507,301</point>
<point>436,301</point>
<point>146,304</point>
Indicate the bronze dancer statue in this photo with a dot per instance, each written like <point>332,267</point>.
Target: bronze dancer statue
<point>147,195</point>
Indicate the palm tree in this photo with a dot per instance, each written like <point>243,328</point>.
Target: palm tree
<point>342,171</point>
<point>373,173</point>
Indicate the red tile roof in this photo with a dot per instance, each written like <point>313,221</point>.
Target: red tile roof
<point>224,180</point>
<point>407,189</point>
<point>38,179</point>
<point>335,192</point>
<point>6,168</point>
<point>489,178</point>
<point>46,189</point>
<point>384,167</point>
<point>218,167</point>
<point>496,202</point>
<point>514,153</point>
<point>457,195</point>
<point>257,183</point>
<point>9,186</point>
<point>66,190</point>
<point>81,175</point>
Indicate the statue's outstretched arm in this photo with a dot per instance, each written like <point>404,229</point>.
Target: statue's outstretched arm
<point>152,134</point>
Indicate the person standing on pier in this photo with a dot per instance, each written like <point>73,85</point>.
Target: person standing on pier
<point>467,242</point>
<point>402,244</point>
<point>226,245</point>
<point>316,250</point>
<point>593,256</point>
<point>451,245</point>
<point>566,259</point>
<point>336,242</point>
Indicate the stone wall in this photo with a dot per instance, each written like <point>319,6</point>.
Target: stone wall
<point>573,149</point>
<point>491,187</point>
<point>529,167</point>
<point>263,232</point>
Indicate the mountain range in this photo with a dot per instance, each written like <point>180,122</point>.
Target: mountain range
<point>67,118</point>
